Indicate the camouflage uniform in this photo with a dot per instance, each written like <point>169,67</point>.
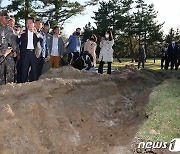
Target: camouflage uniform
<point>7,67</point>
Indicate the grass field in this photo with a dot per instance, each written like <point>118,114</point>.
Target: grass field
<point>149,64</point>
<point>163,109</point>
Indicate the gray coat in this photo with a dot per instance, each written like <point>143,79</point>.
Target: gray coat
<point>60,45</point>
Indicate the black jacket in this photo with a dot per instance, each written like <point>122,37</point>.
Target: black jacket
<point>23,40</point>
<point>173,52</point>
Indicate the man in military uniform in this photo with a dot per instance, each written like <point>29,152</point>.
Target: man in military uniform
<point>7,41</point>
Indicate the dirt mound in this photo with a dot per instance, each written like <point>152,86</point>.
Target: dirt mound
<point>74,112</point>
<point>69,72</point>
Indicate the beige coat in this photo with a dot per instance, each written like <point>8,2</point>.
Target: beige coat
<point>91,46</point>
<point>106,53</point>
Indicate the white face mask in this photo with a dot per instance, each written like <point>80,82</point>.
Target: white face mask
<point>173,42</point>
<point>107,35</point>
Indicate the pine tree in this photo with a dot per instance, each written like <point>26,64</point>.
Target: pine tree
<point>56,11</point>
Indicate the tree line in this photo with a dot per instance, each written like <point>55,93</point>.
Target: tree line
<point>56,11</point>
<point>131,21</point>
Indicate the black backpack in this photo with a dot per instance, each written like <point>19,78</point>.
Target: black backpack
<point>84,61</point>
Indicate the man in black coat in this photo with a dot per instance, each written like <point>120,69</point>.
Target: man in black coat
<point>28,40</point>
<point>173,53</point>
<point>142,56</point>
<point>164,57</point>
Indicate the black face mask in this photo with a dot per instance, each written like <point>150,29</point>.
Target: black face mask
<point>77,33</point>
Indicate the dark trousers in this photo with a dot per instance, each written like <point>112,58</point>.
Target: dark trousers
<point>40,64</point>
<point>72,57</point>
<point>5,73</point>
<point>141,61</point>
<point>29,62</point>
<point>164,59</point>
<point>174,62</point>
<point>100,69</point>
<point>19,71</point>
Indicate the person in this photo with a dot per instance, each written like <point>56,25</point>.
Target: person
<point>173,52</point>
<point>1,16</point>
<point>41,48</point>
<point>19,60</point>
<point>7,42</point>
<point>164,56</point>
<point>142,56</point>
<point>90,46</point>
<point>28,41</point>
<point>106,52</point>
<point>56,48</point>
<point>84,61</point>
<point>12,21</point>
<point>47,38</point>
<point>73,46</point>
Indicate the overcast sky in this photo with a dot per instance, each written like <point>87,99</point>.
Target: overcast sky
<point>168,12</point>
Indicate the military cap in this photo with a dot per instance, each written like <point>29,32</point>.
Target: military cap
<point>5,13</point>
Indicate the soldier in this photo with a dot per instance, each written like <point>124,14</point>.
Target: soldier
<point>7,41</point>
<point>142,56</point>
<point>12,21</point>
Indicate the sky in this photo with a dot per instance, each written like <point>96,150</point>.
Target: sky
<point>168,12</point>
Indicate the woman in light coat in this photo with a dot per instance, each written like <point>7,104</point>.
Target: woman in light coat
<point>106,52</point>
<point>90,46</point>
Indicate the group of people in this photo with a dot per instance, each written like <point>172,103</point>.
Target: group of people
<point>25,52</point>
<point>170,56</point>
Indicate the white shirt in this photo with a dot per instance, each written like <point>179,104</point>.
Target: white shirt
<point>55,51</point>
<point>30,44</point>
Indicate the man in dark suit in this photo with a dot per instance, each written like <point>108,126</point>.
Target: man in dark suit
<point>28,42</point>
<point>173,52</point>
<point>142,56</point>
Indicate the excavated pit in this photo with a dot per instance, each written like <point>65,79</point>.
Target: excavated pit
<point>75,112</point>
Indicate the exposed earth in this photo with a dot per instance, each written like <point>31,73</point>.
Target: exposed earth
<point>75,112</point>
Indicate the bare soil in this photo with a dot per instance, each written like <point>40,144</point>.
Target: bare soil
<point>75,112</point>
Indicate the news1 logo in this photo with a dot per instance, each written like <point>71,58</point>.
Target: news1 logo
<point>174,145</point>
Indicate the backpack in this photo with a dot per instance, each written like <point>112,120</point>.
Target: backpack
<point>84,61</point>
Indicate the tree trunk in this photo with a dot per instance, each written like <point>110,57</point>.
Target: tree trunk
<point>145,43</point>
<point>132,51</point>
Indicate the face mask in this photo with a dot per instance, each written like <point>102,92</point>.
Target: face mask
<point>173,42</point>
<point>77,33</point>
<point>107,35</point>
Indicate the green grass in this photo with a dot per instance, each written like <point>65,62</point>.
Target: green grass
<point>164,113</point>
<point>127,61</point>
